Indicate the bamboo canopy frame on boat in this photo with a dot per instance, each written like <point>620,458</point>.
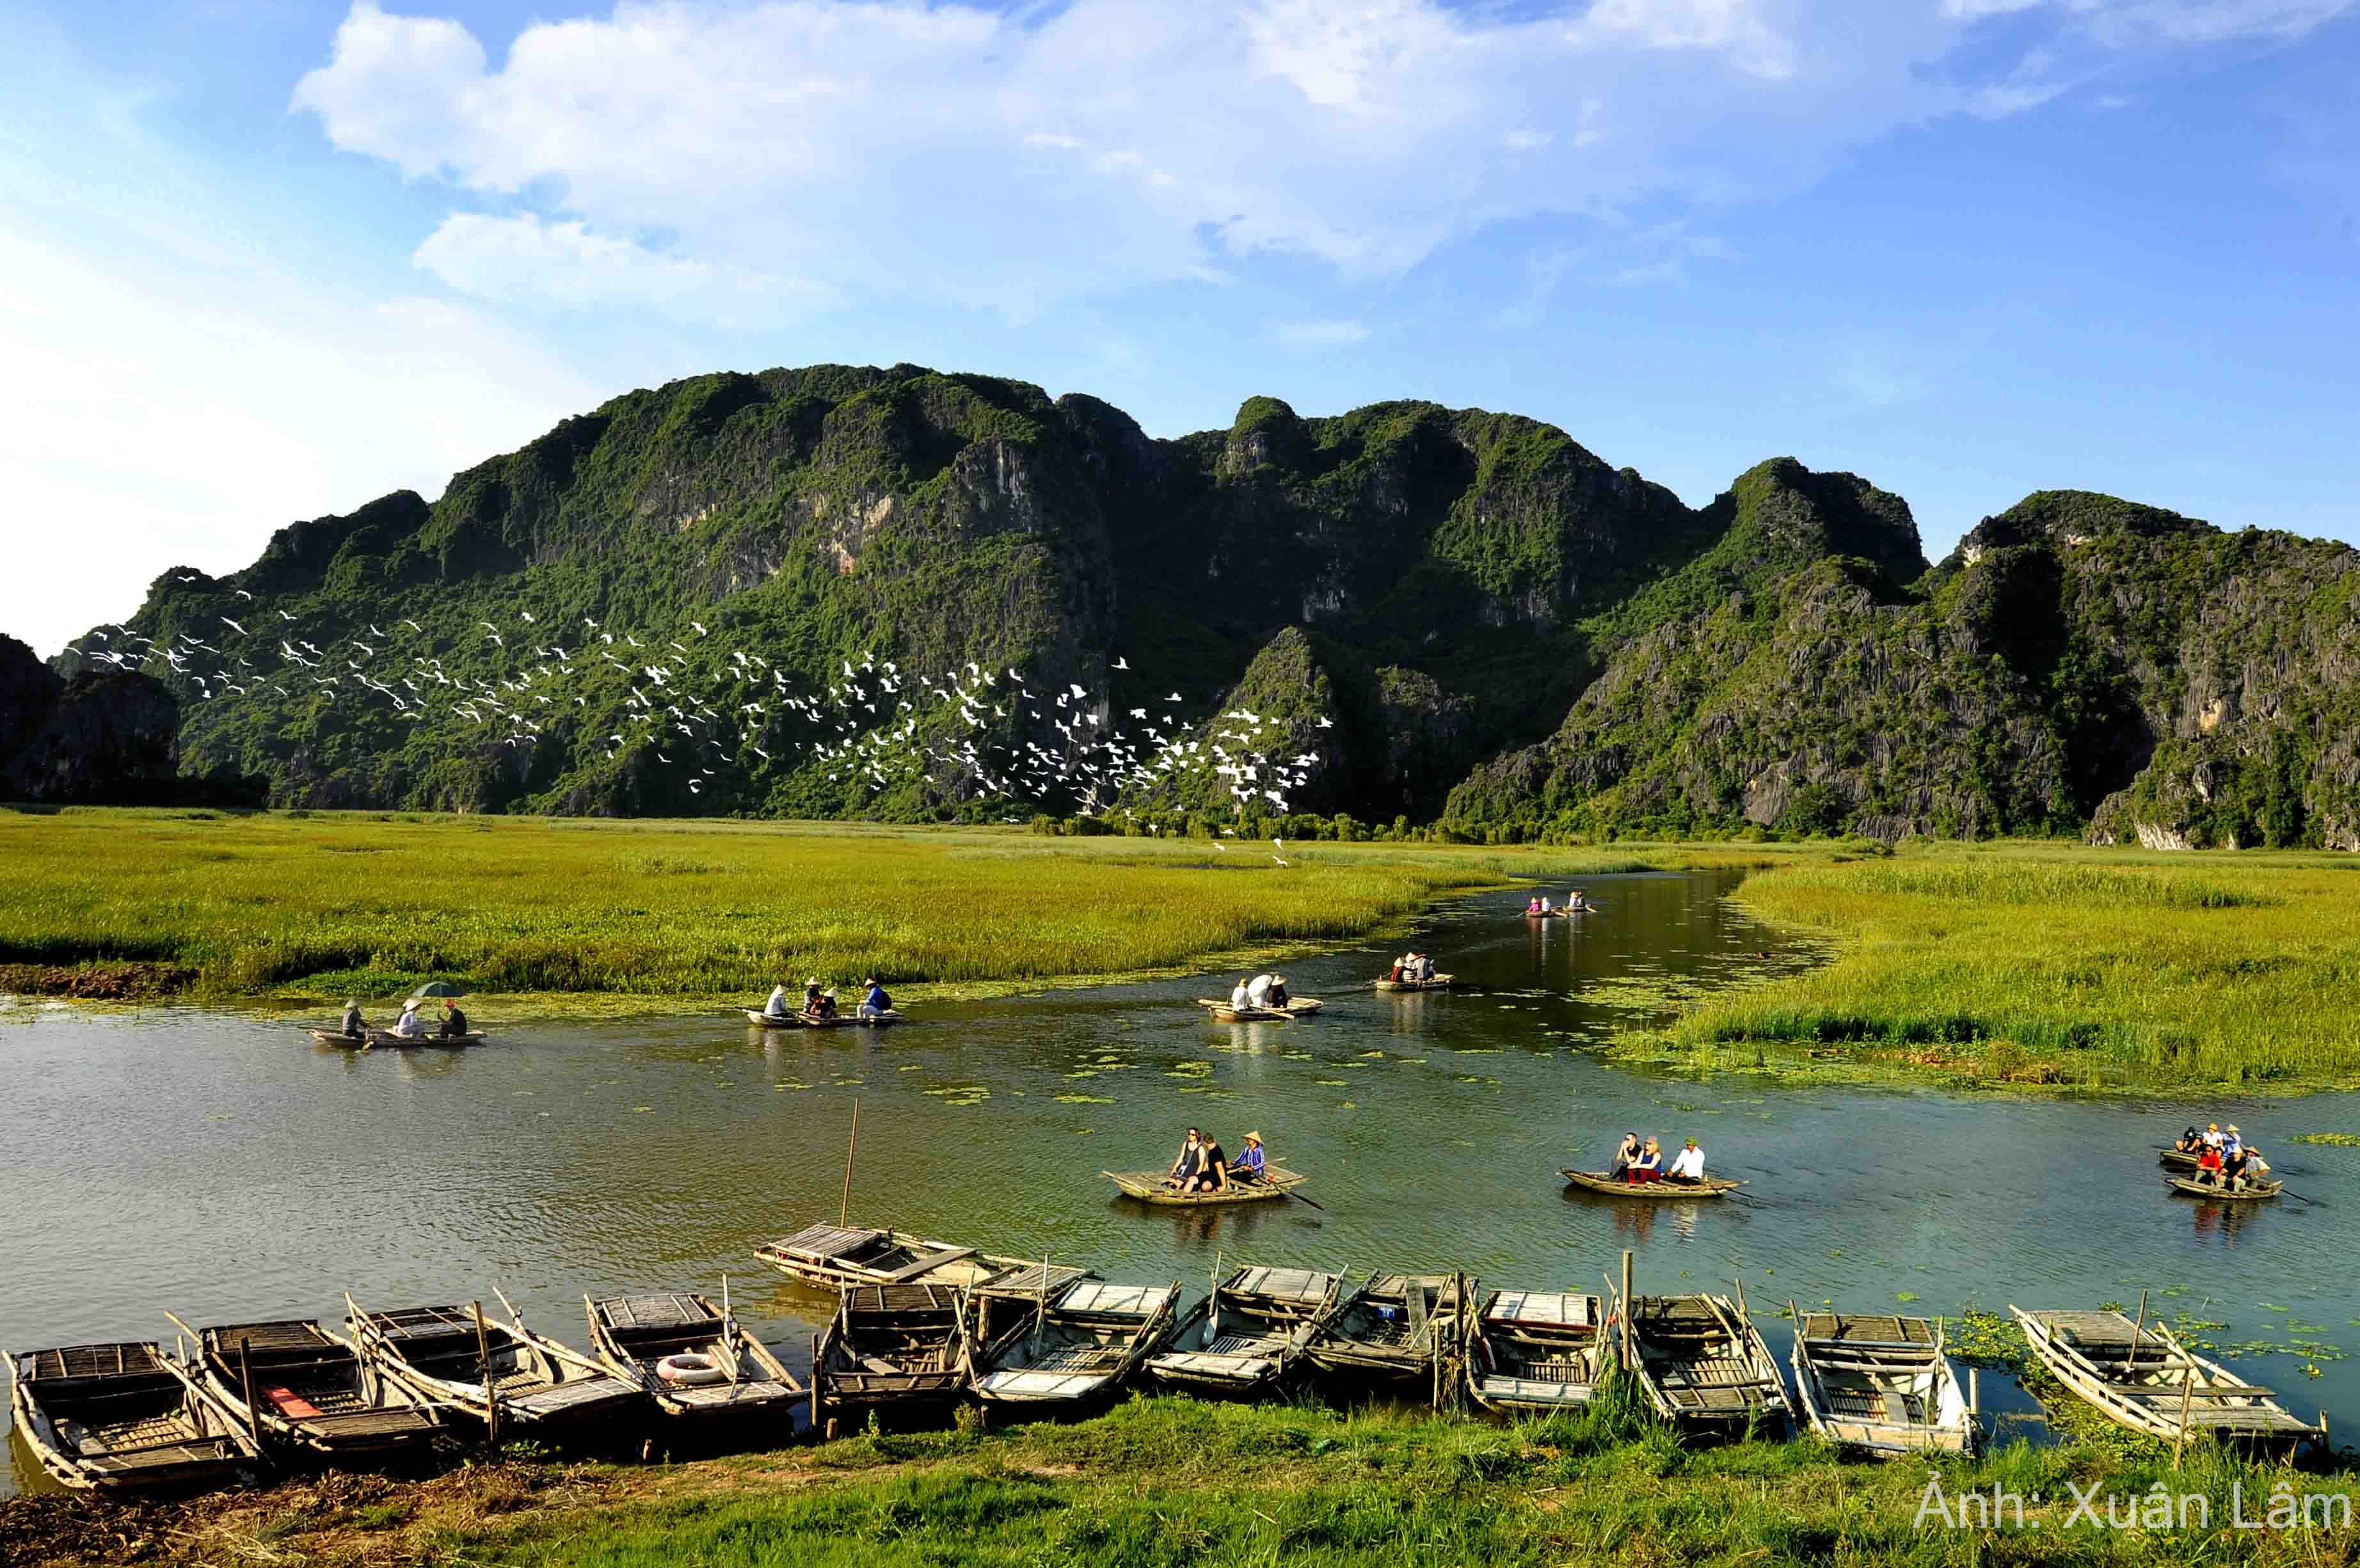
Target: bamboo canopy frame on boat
<point>890,1347</point>
<point>126,1417</point>
<point>1879,1383</point>
<point>1247,1336</point>
<point>696,1359</point>
<point>501,1374</point>
<point>2138,1374</point>
<point>1394,1328</point>
<point>1704,1366</point>
<point>1537,1351</point>
<point>296,1386</point>
<point>1074,1349</point>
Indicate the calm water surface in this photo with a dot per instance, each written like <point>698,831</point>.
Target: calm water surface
<point>224,1167</point>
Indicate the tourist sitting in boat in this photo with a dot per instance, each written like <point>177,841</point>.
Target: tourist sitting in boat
<point>1649,1167</point>
<point>1191,1163</point>
<point>1425,966</point>
<point>409,1025</point>
<point>1539,906</point>
<point>2232,1167</point>
<point>2190,1141</point>
<point>2208,1168</point>
<point>1687,1166</point>
<point>1277,994</point>
<point>1626,1155</point>
<point>776,1007</point>
<point>2257,1170</point>
<point>1258,990</point>
<point>1250,1166</point>
<point>1240,995</point>
<point>2231,1142</point>
<point>876,1004</point>
<point>1213,1176</point>
<point>454,1022</point>
<point>1393,975</point>
<point>826,1004</point>
<point>810,998</point>
<point>355,1027</point>
<point>2212,1134</point>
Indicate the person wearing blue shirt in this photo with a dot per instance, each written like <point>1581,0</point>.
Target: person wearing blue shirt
<point>876,1003</point>
<point>1249,1166</point>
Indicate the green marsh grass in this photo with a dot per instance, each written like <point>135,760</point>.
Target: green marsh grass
<point>1175,1484</point>
<point>312,907</point>
<point>2034,964</point>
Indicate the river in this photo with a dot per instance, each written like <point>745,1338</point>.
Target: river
<point>224,1167</point>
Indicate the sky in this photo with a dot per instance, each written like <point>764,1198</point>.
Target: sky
<point>267,261</point>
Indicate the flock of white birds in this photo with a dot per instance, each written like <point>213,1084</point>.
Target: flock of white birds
<point>693,706</point>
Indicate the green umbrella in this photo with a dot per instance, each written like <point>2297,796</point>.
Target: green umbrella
<point>437,988</point>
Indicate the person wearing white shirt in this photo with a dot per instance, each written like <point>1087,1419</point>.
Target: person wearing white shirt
<point>1240,995</point>
<point>1258,991</point>
<point>1688,1165</point>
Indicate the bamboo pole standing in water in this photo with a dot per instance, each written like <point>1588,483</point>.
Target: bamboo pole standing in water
<point>844,1214</point>
<point>491,1384</point>
<point>1627,1307</point>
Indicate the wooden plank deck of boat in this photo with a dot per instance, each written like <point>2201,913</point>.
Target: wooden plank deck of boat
<point>2208,1404</point>
<point>1551,1309</point>
<point>1030,1284</point>
<point>1868,1331</point>
<point>1295,1286</point>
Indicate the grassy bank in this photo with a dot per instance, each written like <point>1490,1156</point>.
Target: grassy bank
<point>1172,1482</point>
<point>2032,964</point>
<point>309,908</point>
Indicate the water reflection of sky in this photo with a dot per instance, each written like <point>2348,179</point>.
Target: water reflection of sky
<point>221,1167</point>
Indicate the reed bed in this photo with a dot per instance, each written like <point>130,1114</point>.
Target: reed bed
<point>2055,965</point>
<point>313,907</point>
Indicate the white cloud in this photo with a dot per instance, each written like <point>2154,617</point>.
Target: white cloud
<point>527,261</point>
<point>1311,337</point>
<point>155,418</point>
<point>883,151</point>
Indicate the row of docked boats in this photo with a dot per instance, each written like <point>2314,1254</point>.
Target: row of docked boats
<point>920,1326</point>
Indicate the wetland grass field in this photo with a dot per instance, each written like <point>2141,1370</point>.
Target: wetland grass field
<point>2020,966</point>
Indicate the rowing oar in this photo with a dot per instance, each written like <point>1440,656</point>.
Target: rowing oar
<point>1301,1199</point>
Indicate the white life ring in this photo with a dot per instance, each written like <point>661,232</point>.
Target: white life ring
<point>690,1371</point>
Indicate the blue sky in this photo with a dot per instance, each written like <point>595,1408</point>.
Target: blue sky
<point>260,261</point>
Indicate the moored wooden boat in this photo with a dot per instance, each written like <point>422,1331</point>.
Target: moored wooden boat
<point>539,1386</point>
<point>1394,1328</point>
<point>697,1360</point>
<point>1536,1350</point>
<point>2138,1374</point>
<point>832,1257</point>
<point>842,1020</point>
<point>1704,1364</point>
<point>1599,1182</point>
<point>1248,1335</point>
<point>1077,1351</point>
<point>1298,1008</point>
<point>1439,983</point>
<point>1879,1383</point>
<point>126,1418</point>
<point>2251,1192</point>
<point>2177,1159</point>
<point>891,1348</point>
<point>1148,1187</point>
<point>385,1039</point>
<point>300,1387</point>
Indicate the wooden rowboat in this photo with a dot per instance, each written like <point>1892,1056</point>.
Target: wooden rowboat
<point>540,1387</point>
<point>1077,1349</point>
<point>2176,1158</point>
<point>1658,1191</point>
<point>842,1020</point>
<point>1396,1328</point>
<point>1247,1336</point>
<point>1532,1350</point>
<point>2139,1376</point>
<point>891,1348</point>
<point>1879,1383</point>
<point>383,1038</point>
<point>1148,1187</point>
<point>1704,1366</point>
<point>300,1387</point>
<point>126,1418</point>
<point>1439,983</point>
<point>2253,1192</point>
<point>1299,1007</point>
<point>832,1257</point>
<point>696,1359</point>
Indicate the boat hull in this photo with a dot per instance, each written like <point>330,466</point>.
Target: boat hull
<point>1599,1182</point>
<point>1147,1187</point>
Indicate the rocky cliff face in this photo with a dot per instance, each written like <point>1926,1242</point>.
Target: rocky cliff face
<point>103,737</point>
<point>1452,614</point>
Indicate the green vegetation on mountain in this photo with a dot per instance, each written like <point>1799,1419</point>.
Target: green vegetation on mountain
<point>1505,636</point>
